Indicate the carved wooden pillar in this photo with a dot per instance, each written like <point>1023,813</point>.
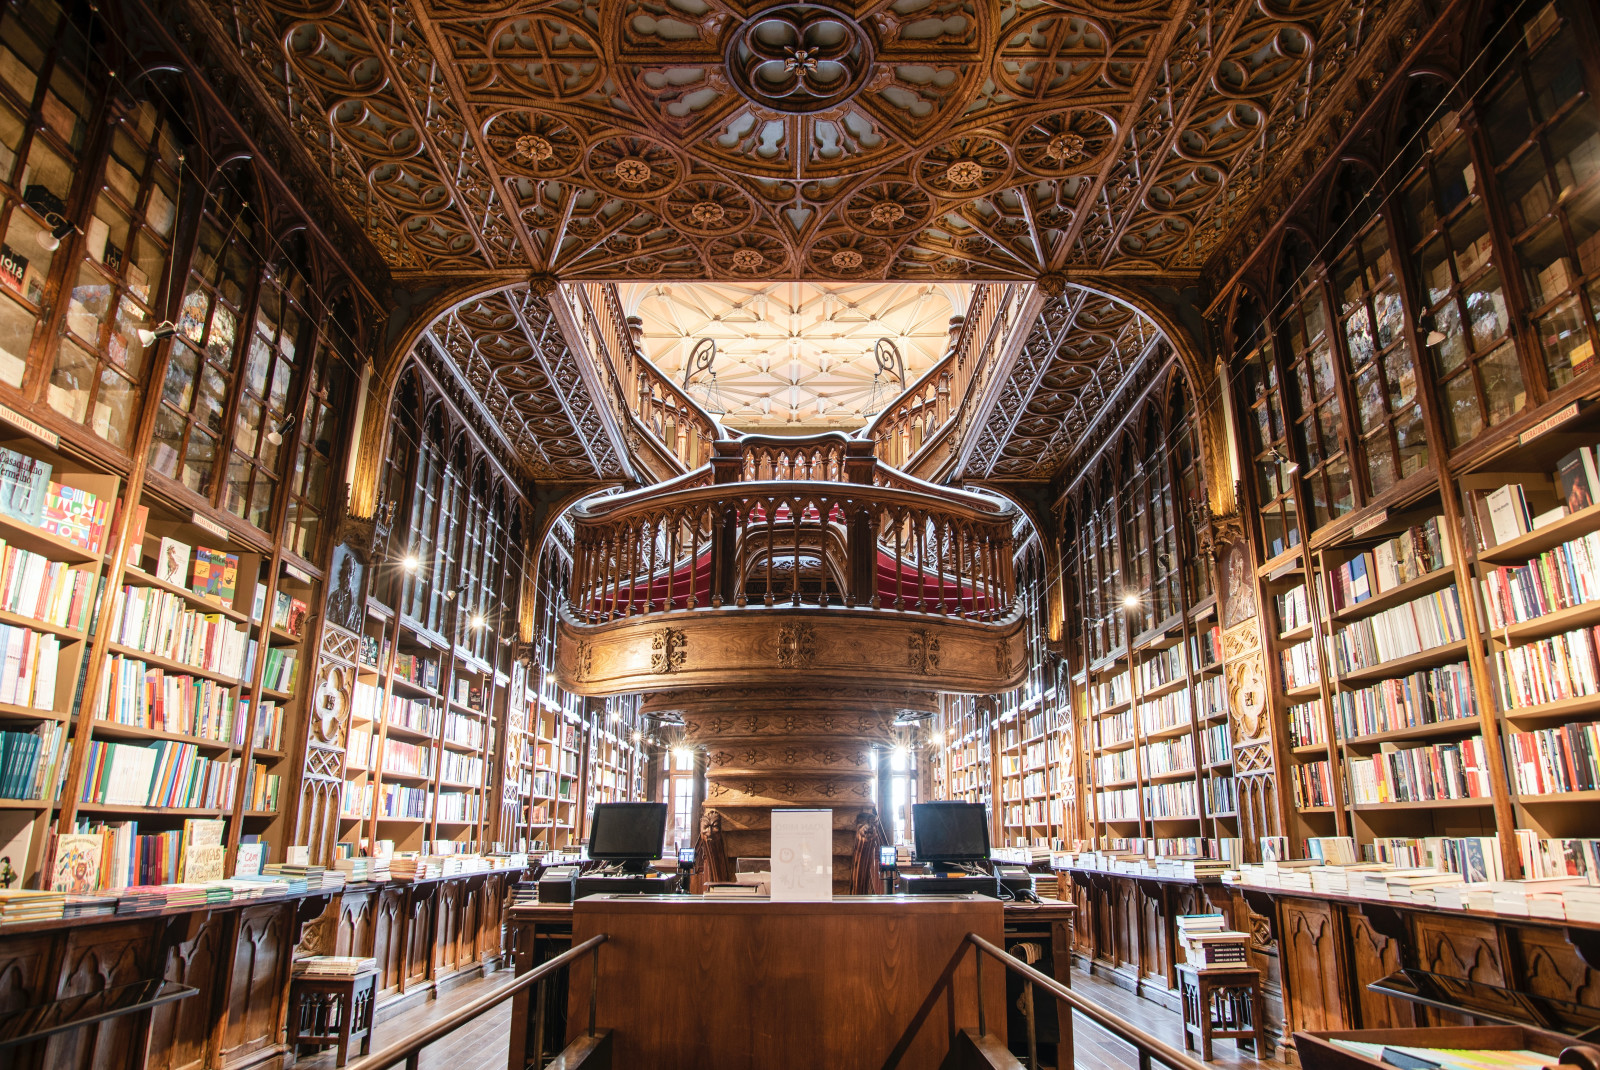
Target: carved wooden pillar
<point>769,749</point>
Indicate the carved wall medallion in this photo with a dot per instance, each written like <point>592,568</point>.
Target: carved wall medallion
<point>797,643</point>
<point>583,659</point>
<point>1247,697</point>
<point>669,649</point>
<point>1002,658</point>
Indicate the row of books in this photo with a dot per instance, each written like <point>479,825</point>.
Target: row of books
<point>1300,667</point>
<point>1434,620</point>
<point>1475,858</point>
<point>1552,669</point>
<point>132,693</point>
<point>1176,799</point>
<point>1113,729</point>
<point>1430,696</point>
<point>278,672</point>
<point>459,806</point>
<point>1558,856</point>
<point>400,800</point>
<point>261,789</point>
<point>1205,648</point>
<point>1566,758</point>
<point>1117,804</point>
<point>414,669</point>
<point>108,856</point>
<point>1117,767</point>
<point>418,715</point>
<point>462,729</point>
<point>1294,609</point>
<point>1566,576</point>
<point>1165,711</point>
<point>1112,692</point>
<point>32,585</point>
<point>1160,668</point>
<point>1222,795</point>
<point>1421,774</point>
<point>1412,554</point>
<point>161,623</point>
<point>25,760</point>
<point>1169,756</point>
<point>1306,726</point>
<point>163,773</point>
<point>29,496</point>
<point>1313,784</point>
<point>407,759</point>
<point>1215,745</point>
<point>29,661</point>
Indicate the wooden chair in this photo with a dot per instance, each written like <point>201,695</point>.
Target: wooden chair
<point>326,1011</point>
<point>1221,1003</point>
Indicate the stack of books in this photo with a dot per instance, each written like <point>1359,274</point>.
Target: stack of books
<point>89,906</point>
<point>415,868</point>
<point>18,905</point>
<point>300,878</point>
<point>524,893</point>
<point>1417,886</point>
<point>354,870</point>
<point>333,966</point>
<point>256,887</point>
<point>143,897</point>
<point>1207,942</point>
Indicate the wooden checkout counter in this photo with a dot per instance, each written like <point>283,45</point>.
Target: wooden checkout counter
<point>691,975</point>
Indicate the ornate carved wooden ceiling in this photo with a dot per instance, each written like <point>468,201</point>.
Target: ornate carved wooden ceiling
<point>795,354</point>
<point>836,139</point>
<point>1076,361</point>
<point>508,351</point>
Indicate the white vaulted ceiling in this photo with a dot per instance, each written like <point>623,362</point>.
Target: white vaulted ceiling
<point>795,356</point>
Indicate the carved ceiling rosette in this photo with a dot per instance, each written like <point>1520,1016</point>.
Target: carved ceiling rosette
<point>963,167</point>
<point>888,209</point>
<point>1065,143</point>
<point>710,208</point>
<point>750,255</point>
<point>534,143</point>
<point>848,255</point>
<point>633,167</point>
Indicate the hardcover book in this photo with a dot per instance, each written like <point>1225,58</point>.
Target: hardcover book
<point>172,561</point>
<point>77,863</point>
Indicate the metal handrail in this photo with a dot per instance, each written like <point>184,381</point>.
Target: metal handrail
<point>1148,1046</point>
<point>411,1049</point>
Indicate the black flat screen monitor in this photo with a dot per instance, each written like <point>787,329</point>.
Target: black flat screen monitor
<point>951,831</point>
<point>627,832</point>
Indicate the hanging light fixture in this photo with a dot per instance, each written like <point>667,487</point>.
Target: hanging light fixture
<point>886,355</point>
<point>702,358</point>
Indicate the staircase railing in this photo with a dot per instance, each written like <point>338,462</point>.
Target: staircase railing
<point>677,426</point>
<point>410,1049</point>
<point>905,434</point>
<point>1150,1049</point>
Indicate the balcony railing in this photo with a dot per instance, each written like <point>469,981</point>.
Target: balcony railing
<point>677,425</point>
<point>811,522</point>
<point>904,433</point>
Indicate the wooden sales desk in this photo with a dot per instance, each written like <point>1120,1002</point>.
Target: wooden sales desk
<point>692,982</point>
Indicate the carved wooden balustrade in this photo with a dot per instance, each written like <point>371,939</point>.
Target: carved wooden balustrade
<point>904,433</point>
<point>676,424</point>
<point>793,523</point>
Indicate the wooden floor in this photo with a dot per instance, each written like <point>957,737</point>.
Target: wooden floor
<point>478,1045</point>
<point>1098,1048</point>
<point>481,1045</point>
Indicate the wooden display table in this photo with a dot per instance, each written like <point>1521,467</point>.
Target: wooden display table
<point>331,1011</point>
<point>1220,1003</point>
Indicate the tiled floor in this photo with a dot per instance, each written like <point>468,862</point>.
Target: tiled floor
<point>481,1045</point>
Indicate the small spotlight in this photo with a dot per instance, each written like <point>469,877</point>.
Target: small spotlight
<point>1131,601</point>
<point>937,739</point>
<point>478,620</point>
<point>549,677</point>
<point>410,562</point>
<point>637,736</point>
<point>148,336</point>
<point>615,715</point>
<point>50,237</point>
<point>450,595</point>
<point>1435,338</point>
<point>682,754</point>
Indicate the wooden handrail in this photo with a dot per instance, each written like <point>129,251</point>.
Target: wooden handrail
<point>1148,1046</point>
<point>409,1049</point>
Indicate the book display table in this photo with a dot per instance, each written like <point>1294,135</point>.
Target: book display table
<point>1221,1003</point>
<point>332,1011</point>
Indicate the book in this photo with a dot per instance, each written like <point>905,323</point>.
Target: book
<point>248,860</point>
<point>172,561</point>
<point>137,525</point>
<point>1572,481</point>
<point>280,611</point>
<point>298,611</point>
<point>215,575</point>
<point>24,481</point>
<point>1508,512</point>
<point>77,863</point>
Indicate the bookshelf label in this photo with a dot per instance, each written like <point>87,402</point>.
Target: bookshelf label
<point>298,573</point>
<point>207,525</point>
<point>1371,523</point>
<point>16,419</point>
<point>1283,570</point>
<point>1549,423</point>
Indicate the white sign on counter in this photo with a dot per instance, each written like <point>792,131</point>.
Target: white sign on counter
<point>802,856</point>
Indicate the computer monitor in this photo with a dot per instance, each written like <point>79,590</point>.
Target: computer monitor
<point>951,832</point>
<point>628,832</point>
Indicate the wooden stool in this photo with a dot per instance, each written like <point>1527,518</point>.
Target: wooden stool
<point>332,1010</point>
<point>1222,1003</point>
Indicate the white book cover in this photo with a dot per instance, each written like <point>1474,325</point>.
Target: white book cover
<point>44,683</point>
<point>172,561</point>
<point>1505,520</point>
<point>802,856</point>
